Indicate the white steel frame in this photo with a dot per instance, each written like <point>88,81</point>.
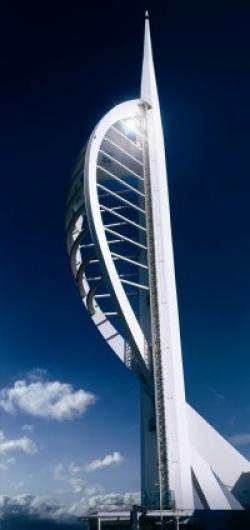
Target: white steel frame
<point>194,463</point>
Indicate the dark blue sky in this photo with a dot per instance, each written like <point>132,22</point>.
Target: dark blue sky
<point>62,68</point>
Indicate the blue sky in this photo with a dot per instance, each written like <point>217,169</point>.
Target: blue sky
<point>51,98</point>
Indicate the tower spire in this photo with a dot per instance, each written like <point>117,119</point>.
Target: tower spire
<point>149,91</point>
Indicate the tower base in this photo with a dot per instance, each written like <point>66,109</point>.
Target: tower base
<point>169,520</point>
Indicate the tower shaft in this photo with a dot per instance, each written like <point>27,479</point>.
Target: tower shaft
<point>171,424</point>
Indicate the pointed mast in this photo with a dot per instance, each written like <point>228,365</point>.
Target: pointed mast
<point>149,91</point>
<point>171,422</point>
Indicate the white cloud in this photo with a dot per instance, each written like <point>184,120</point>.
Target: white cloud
<point>91,491</point>
<point>74,470</point>
<point>77,483</point>
<point>72,474</point>
<point>63,472</point>
<point>28,428</point>
<point>242,438</point>
<point>24,444</point>
<point>107,502</point>
<point>38,507</point>
<point>4,464</point>
<point>29,506</point>
<point>45,399</point>
<point>113,459</point>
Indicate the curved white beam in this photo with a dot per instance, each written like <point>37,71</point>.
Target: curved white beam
<point>121,112</point>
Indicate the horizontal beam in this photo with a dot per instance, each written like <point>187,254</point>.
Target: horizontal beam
<point>134,284</point>
<point>123,166</point>
<point>123,207</point>
<point>98,278</point>
<point>115,241</point>
<point>126,138</point>
<point>122,217</point>
<point>129,260</point>
<point>110,242</point>
<point>121,181</point>
<point>102,187</point>
<point>111,225</point>
<point>123,151</point>
<point>108,295</point>
<point>86,245</point>
<point>93,261</point>
<point>125,238</point>
<point>118,191</point>
<point>103,295</point>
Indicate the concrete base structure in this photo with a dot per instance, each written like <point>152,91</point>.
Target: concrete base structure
<point>124,519</point>
<point>169,520</point>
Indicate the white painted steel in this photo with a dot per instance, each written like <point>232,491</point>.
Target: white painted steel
<point>120,112</point>
<point>178,450</point>
<point>226,462</point>
<point>210,487</point>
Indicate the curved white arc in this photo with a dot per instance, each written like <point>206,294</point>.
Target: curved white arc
<point>120,112</point>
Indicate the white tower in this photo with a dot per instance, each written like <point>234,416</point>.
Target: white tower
<point>120,245</point>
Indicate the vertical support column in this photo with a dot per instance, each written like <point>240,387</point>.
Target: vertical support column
<point>149,463</point>
<point>155,331</point>
<point>168,369</point>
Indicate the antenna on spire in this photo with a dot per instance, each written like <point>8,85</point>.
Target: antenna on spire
<point>148,82</point>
